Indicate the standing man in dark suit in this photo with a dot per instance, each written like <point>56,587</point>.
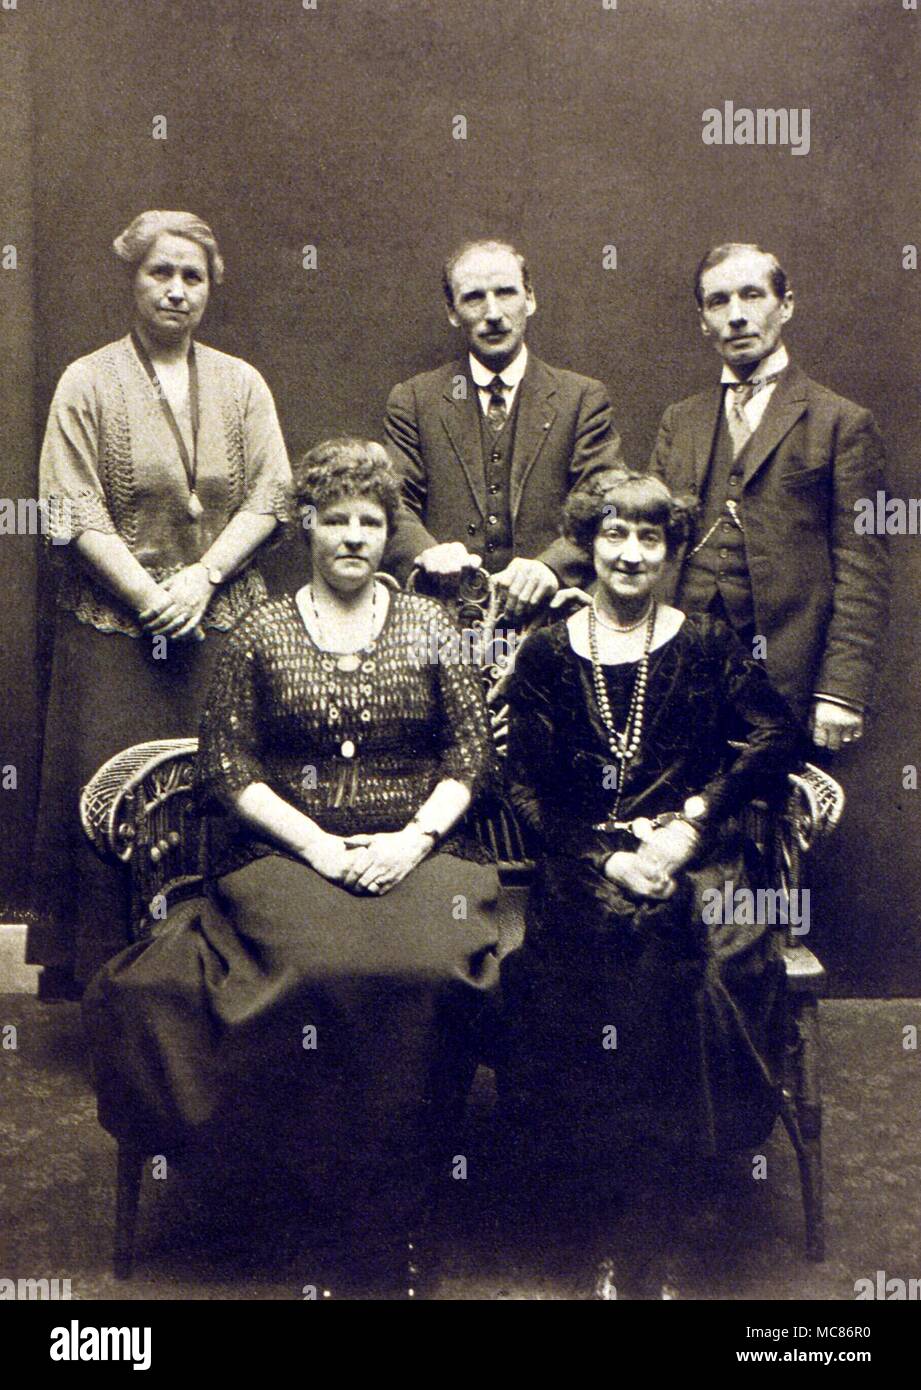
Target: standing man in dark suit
<point>778,463</point>
<point>488,447</point>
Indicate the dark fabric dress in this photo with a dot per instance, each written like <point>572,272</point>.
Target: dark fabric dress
<point>691,1064</point>
<point>331,1031</point>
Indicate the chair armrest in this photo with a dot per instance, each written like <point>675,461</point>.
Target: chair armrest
<point>116,799</point>
<point>139,810</point>
<point>815,804</point>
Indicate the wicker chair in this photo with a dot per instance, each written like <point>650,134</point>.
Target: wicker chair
<point>139,810</point>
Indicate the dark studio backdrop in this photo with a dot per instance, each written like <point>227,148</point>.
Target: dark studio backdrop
<point>332,127</point>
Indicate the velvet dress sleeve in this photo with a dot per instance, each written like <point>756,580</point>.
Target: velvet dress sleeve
<point>750,711</point>
<point>533,765</point>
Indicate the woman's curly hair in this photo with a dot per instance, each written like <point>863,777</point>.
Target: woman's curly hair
<point>344,467</point>
<point>632,495</point>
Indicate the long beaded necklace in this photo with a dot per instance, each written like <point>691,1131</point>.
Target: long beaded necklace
<point>624,746</point>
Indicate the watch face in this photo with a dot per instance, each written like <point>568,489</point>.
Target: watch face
<point>695,807</point>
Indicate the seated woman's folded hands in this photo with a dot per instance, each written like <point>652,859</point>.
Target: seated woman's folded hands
<point>377,863</point>
<point>649,871</point>
<point>643,879</point>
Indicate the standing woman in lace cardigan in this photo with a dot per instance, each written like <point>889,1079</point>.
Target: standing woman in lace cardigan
<point>323,1007</point>
<point>163,471</point>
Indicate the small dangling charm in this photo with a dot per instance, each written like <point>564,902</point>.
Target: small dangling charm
<point>195,507</point>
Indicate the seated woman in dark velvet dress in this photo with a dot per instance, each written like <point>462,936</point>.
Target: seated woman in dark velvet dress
<point>642,1038</point>
<point>323,1005</point>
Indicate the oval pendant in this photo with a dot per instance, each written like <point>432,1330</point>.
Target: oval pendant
<point>194,508</point>
<point>349,662</point>
<point>347,748</point>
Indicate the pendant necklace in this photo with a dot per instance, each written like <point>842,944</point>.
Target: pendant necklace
<point>189,464</point>
<point>346,662</point>
<point>624,746</point>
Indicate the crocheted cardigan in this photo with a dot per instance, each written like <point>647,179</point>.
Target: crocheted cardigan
<point>110,463</point>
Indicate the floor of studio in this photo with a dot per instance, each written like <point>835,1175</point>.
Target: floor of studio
<point>57,1187</point>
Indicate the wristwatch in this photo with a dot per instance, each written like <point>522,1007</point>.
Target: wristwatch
<point>215,576</point>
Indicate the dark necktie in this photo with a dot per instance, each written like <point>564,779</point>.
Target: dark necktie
<point>740,431</point>
<point>497,410</point>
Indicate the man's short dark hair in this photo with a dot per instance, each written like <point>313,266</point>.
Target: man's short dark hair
<point>480,244</point>
<point>718,254</point>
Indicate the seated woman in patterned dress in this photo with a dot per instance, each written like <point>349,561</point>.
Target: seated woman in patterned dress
<point>642,1032</point>
<point>324,1004</point>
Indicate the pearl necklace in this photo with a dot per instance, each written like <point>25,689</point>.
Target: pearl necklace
<point>624,746</point>
<point>616,627</point>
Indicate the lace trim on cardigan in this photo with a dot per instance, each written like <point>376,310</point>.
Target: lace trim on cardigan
<point>69,517</point>
<point>90,604</point>
<point>232,411</point>
<point>269,498</point>
<point>116,463</point>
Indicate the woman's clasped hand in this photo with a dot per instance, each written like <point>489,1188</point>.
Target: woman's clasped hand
<point>649,871</point>
<point>178,605</point>
<point>368,863</point>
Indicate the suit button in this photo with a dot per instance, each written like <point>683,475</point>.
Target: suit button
<point>494,488</point>
<point>493,520</point>
<point>491,545</point>
<point>495,456</point>
<point>733,480</point>
<point>471,528</point>
<point>723,554</point>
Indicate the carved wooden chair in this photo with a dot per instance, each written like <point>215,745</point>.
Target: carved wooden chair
<point>139,810</point>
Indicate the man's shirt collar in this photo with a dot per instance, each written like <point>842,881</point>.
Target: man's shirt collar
<point>776,361</point>
<point>511,374</point>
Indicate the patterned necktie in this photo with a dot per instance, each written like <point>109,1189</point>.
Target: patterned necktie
<point>740,431</point>
<point>497,410</point>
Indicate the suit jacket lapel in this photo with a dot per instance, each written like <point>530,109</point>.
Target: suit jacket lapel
<point>787,403</point>
<point>704,422</point>
<point>536,413</point>
<point>461,420</point>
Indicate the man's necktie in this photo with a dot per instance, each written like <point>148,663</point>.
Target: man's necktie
<point>740,431</point>
<point>497,410</point>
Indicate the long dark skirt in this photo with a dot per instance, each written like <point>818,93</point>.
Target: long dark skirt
<point>334,1034</point>
<point>639,1028</point>
<point>107,692</point>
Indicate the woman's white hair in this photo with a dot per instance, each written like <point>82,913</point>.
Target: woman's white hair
<point>138,237</point>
